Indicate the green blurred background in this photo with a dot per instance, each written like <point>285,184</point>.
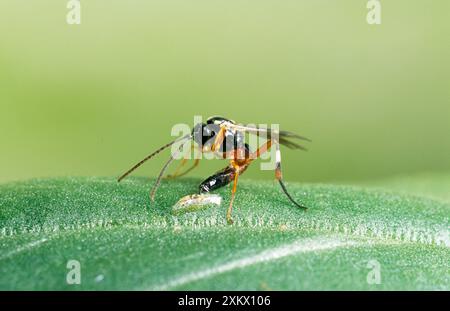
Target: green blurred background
<point>92,99</point>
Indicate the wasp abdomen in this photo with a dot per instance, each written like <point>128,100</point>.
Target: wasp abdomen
<point>218,180</point>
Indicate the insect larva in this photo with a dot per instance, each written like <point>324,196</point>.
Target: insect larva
<point>195,202</point>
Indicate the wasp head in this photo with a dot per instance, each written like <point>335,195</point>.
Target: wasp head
<point>203,134</point>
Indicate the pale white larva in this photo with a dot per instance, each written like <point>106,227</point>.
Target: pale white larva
<point>196,202</point>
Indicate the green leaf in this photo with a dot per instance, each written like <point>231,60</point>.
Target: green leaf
<point>432,185</point>
<point>122,241</point>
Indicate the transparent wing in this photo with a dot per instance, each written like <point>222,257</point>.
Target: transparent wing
<point>283,136</point>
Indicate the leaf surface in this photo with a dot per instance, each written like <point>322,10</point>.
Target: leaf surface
<point>350,238</point>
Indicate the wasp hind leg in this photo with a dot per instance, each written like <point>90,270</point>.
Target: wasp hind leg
<point>279,177</point>
<point>219,180</point>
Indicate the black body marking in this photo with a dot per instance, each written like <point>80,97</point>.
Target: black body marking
<point>218,180</point>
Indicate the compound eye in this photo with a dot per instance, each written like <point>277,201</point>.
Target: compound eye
<point>197,132</point>
<point>210,130</point>
<point>206,131</point>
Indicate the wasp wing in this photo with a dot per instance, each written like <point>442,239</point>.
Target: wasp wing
<point>291,145</point>
<point>281,136</point>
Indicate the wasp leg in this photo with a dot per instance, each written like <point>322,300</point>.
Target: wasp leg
<point>279,176</point>
<point>219,180</point>
<point>264,148</point>
<point>233,193</point>
<point>177,170</point>
<point>278,173</point>
<point>219,139</point>
<point>177,173</point>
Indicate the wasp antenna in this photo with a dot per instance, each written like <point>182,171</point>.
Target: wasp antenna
<point>152,155</point>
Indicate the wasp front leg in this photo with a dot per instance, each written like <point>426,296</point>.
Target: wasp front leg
<point>183,162</point>
<point>177,172</point>
<point>219,139</point>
